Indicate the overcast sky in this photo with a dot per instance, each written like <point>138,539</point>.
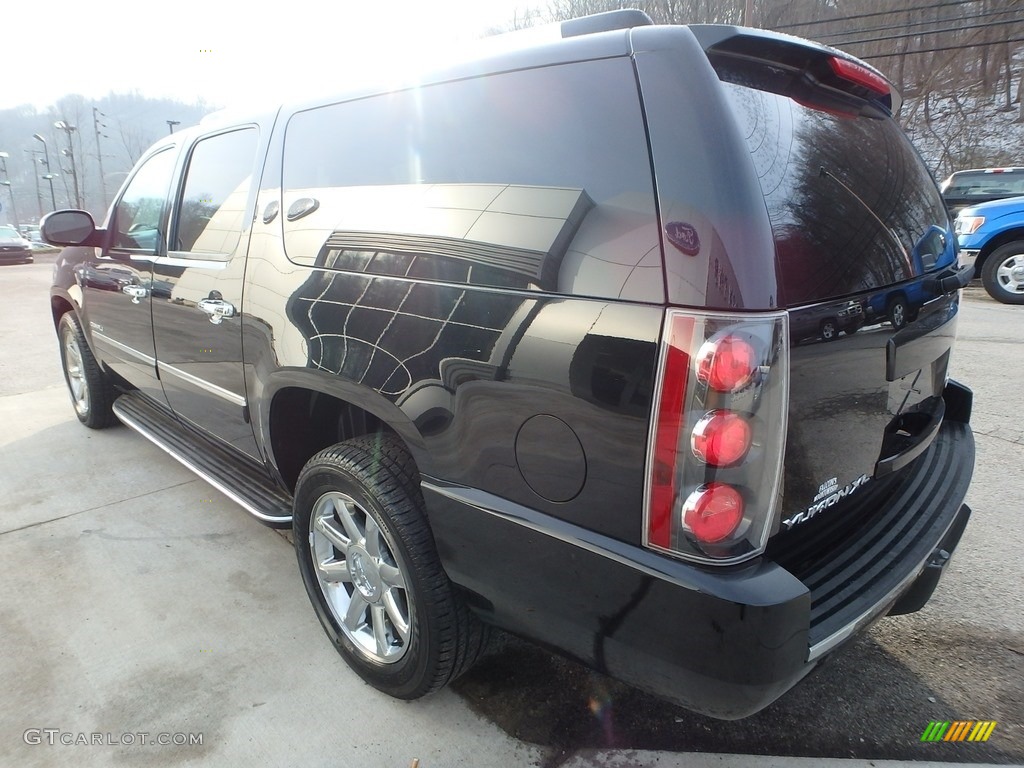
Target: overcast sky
<point>221,52</point>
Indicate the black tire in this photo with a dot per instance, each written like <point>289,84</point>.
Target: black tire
<point>1003,273</point>
<point>368,560</point>
<point>898,313</point>
<point>92,394</point>
<point>829,330</point>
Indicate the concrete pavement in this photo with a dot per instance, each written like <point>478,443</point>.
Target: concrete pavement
<point>138,603</point>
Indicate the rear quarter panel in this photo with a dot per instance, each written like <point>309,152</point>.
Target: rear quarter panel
<point>500,308</point>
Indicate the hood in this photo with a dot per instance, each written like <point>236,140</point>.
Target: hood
<point>995,208</point>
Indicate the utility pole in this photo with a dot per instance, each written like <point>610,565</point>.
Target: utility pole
<point>50,177</point>
<point>171,124</point>
<point>46,162</point>
<point>70,154</point>
<point>96,125</point>
<point>748,13</point>
<point>7,183</point>
<point>36,161</point>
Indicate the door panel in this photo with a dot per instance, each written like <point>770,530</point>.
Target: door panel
<point>197,290</point>
<point>117,281</point>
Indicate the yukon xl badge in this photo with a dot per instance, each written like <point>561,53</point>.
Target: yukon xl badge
<point>829,493</point>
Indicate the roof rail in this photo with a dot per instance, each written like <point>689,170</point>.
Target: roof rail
<point>605,22</point>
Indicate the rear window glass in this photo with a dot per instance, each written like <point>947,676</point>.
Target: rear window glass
<point>852,205</point>
<point>537,179</point>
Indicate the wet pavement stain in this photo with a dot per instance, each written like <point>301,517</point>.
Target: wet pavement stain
<point>871,700</point>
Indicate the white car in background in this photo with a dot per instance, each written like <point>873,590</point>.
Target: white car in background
<point>13,247</point>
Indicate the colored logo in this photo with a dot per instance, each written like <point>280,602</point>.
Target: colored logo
<point>958,730</point>
<point>683,236</point>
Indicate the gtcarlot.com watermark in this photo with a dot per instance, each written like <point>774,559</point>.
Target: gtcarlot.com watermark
<point>57,737</point>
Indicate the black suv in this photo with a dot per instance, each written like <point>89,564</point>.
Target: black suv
<point>513,347</point>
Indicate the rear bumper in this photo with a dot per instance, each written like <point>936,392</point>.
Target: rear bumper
<point>918,593</point>
<point>858,560</point>
<point>723,642</point>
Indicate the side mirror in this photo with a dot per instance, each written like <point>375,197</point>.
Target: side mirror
<point>70,228</point>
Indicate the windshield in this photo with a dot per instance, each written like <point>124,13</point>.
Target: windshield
<point>9,232</point>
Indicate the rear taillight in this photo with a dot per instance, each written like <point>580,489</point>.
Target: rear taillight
<point>717,435</point>
<point>713,512</point>
<point>721,438</point>
<point>726,364</point>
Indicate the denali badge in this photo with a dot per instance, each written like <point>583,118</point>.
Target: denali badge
<point>831,493</point>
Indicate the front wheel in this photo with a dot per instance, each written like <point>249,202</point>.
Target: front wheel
<point>368,561</point>
<point>1003,273</point>
<point>92,394</point>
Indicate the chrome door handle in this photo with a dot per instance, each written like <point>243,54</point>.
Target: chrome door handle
<point>217,309</point>
<point>137,292</point>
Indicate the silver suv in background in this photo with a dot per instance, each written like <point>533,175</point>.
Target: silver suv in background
<point>980,185</point>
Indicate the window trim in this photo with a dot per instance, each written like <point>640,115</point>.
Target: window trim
<point>646,184</point>
<point>111,224</point>
<point>174,217</point>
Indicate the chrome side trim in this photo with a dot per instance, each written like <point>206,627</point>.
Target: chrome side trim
<point>636,558</point>
<point>564,533</point>
<point>822,647</point>
<point>128,421</point>
<point>197,261</point>
<point>124,348</point>
<point>203,384</point>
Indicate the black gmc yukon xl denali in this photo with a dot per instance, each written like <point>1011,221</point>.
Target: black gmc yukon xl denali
<point>583,338</point>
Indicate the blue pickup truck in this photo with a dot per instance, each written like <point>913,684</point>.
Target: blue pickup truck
<point>992,236</point>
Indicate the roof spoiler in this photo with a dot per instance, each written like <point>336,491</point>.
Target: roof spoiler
<point>605,22</point>
<point>809,71</point>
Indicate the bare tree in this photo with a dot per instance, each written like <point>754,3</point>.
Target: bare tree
<point>134,141</point>
<point>660,11</point>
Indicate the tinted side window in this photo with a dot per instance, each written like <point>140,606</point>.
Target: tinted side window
<point>139,212</point>
<point>531,179</point>
<point>212,212</point>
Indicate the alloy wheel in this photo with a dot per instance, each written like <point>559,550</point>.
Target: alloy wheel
<point>361,577</point>
<point>75,371</point>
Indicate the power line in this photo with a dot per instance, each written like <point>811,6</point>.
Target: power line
<point>986,25</point>
<point>889,27</point>
<point>943,48</point>
<point>877,13</point>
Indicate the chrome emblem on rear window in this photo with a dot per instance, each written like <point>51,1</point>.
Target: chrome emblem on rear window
<point>829,493</point>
